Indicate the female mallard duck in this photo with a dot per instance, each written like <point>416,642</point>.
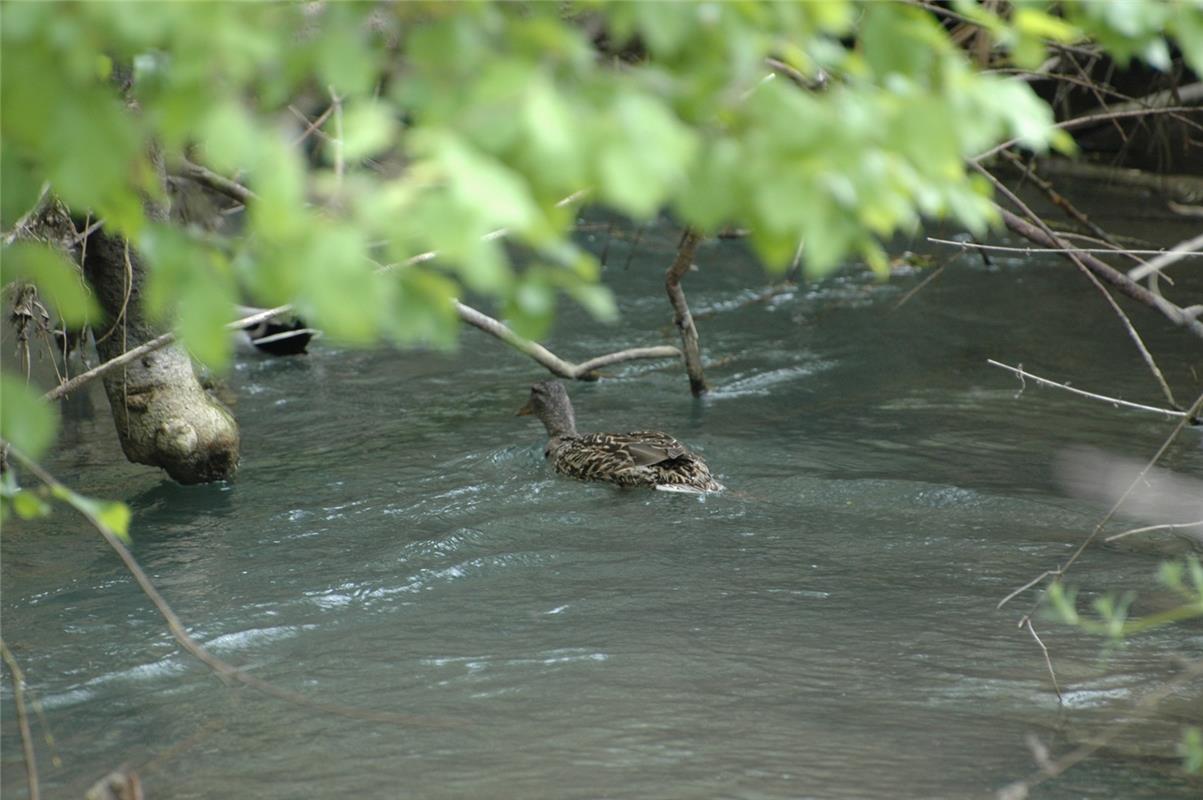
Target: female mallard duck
<point>641,458</point>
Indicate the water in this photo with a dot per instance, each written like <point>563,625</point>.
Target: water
<point>826,628</point>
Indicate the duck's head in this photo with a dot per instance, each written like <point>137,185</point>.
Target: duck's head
<point>549,402</point>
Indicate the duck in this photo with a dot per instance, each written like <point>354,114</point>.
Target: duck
<point>638,459</point>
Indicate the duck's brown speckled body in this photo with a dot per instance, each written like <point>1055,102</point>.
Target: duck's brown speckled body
<point>639,458</point>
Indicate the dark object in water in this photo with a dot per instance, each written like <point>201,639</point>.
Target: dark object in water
<point>280,338</point>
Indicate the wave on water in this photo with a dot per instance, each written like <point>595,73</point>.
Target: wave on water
<point>763,383</point>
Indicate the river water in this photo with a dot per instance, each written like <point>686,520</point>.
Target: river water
<point>826,628</point>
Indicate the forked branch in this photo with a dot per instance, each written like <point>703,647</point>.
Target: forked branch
<point>585,371</point>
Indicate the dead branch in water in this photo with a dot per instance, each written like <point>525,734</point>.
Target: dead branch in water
<point>585,371</point>
<point>681,316</point>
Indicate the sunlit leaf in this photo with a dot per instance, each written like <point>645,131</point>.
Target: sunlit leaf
<point>113,515</point>
<point>29,505</point>
<point>26,421</point>
<point>367,128</point>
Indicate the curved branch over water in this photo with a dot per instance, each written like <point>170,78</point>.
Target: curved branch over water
<point>585,371</point>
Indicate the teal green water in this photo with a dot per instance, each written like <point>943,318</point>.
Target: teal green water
<point>826,628</point>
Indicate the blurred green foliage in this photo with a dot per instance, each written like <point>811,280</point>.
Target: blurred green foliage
<point>448,121</point>
<point>1111,611</point>
<point>1111,619</point>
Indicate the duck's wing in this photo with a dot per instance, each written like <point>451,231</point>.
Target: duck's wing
<point>647,448</point>
<point>639,458</point>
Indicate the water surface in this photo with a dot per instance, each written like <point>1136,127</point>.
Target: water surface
<point>826,628</point>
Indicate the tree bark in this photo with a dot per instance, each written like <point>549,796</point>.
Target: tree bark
<point>164,417</point>
<point>681,316</point>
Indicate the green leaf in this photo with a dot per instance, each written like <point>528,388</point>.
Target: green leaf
<point>1191,749</point>
<point>367,129</point>
<point>1038,22</point>
<point>28,505</point>
<point>26,421</point>
<point>499,195</point>
<point>597,300</point>
<point>59,282</point>
<point>230,138</point>
<point>115,515</point>
<point>111,514</point>
<point>203,311</point>
<point>1187,26</point>
<point>191,286</point>
<point>19,188</point>
<point>340,288</point>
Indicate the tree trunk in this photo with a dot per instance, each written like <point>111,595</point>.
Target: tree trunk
<point>164,417</point>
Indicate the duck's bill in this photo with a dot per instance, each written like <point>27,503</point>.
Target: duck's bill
<point>525,411</point>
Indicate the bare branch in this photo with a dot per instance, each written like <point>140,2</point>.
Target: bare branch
<point>660,351</point>
<point>681,316</point>
<point>1149,528</point>
<point>554,364</point>
<point>1080,262</point>
<point>1090,119</point>
<point>1112,400</point>
<point>218,183</point>
<point>1105,272</point>
<point>149,347</point>
<point>1047,661</point>
<point>1178,252</point>
<point>999,248</point>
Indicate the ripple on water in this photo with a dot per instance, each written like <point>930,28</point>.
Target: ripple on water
<point>763,383</point>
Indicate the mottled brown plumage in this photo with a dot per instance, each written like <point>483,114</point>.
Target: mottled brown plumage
<point>639,458</point>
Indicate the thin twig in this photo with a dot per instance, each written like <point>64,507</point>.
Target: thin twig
<point>1106,272</point>
<point>149,347</point>
<point>339,164</point>
<point>1026,586</point>
<point>1048,662</point>
<point>18,680</point>
<point>1178,252</point>
<point>1119,251</point>
<point>1063,568</point>
<point>278,337</point>
<point>1058,199</point>
<point>1088,119</point>
<point>1080,262</point>
<point>1113,400</point>
<point>935,273</point>
<point>218,183</point>
<point>1148,528</point>
<point>311,127</point>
